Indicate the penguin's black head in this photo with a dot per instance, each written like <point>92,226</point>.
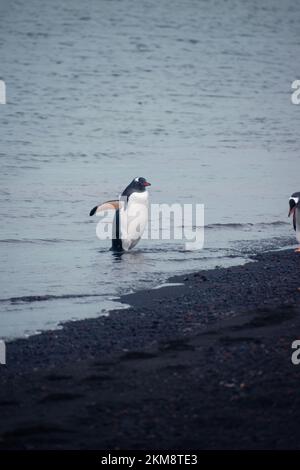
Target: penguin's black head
<point>139,184</point>
<point>294,202</point>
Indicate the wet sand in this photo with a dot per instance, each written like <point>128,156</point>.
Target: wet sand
<point>206,365</point>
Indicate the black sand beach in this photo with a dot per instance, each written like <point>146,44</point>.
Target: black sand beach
<point>206,365</point>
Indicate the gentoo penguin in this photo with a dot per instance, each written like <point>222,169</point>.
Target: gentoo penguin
<point>294,202</point>
<point>131,214</point>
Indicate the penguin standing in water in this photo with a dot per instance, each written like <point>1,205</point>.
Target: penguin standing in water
<point>294,202</point>
<point>131,214</point>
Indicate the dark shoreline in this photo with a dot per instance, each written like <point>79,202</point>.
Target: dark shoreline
<point>206,365</point>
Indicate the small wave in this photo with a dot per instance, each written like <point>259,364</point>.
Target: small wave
<point>236,225</point>
<point>36,240</point>
<point>47,297</point>
<point>275,223</point>
<point>254,247</point>
<point>14,240</point>
<point>168,284</point>
<point>229,225</point>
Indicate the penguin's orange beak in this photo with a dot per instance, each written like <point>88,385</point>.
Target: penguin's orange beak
<point>147,183</point>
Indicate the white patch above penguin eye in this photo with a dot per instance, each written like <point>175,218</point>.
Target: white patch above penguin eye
<point>136,179</point>
<point>296,199</point>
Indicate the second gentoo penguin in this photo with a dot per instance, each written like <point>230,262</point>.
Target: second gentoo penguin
<point>131,214</point>
<point>294,202</point>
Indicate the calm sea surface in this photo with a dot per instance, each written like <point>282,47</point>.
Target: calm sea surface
<point>193,95</point>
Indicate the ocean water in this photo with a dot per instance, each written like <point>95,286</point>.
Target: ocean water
<point>193,95</point>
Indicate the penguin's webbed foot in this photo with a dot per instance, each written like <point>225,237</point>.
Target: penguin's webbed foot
<point>297,250</point>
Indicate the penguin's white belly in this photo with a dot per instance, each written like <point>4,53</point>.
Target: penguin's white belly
<point>134,217</point>
<point>298,225</point>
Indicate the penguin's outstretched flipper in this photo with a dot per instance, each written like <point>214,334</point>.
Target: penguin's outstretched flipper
<point>108,205</point>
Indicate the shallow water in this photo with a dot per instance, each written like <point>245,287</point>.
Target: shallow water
<point>193,95</point>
